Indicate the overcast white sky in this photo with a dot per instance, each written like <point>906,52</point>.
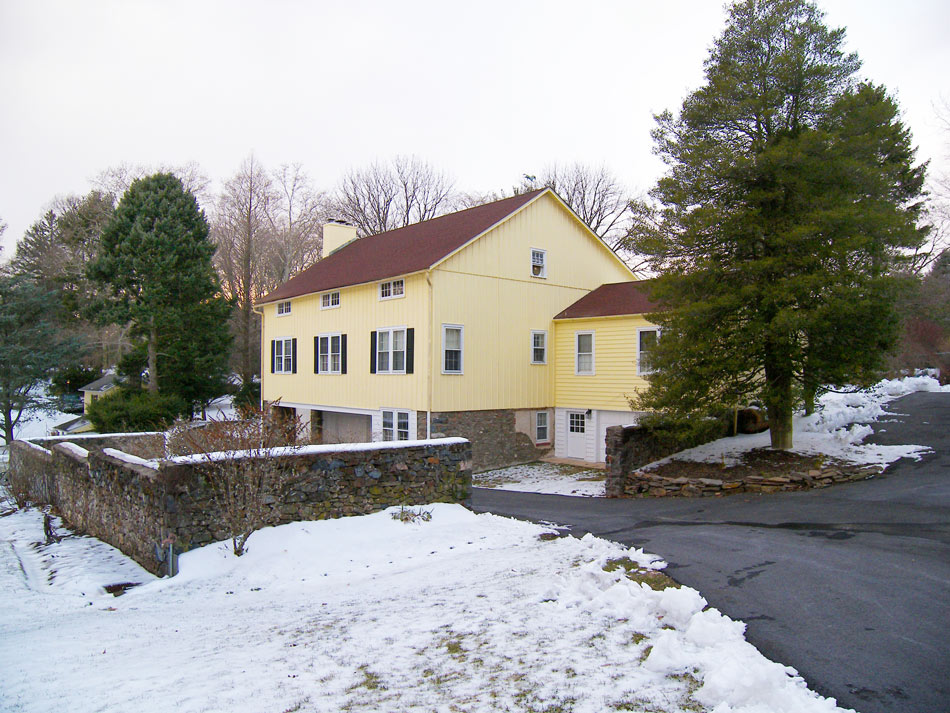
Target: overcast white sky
<point>485,90</point>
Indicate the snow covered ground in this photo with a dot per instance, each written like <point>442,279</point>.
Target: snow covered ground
<point>836,429</point>
<point>551,478</point>
<point>463,612</point>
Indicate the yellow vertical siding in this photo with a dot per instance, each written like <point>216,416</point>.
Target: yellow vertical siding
<point>360,312</point>
<point>615,376</point>
<point>488,288</point>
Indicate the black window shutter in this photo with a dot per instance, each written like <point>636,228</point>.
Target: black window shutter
<point>372,352</point>
<point>316,355</point>
<point>410,349</point>
<point>273,355</point>
<point>293,356</point>
<point>342,353</point>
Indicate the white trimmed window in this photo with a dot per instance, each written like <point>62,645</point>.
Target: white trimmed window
<point>329,300</point>
<point>452,341</point>
<point>284,355</point>
<point>392,289</point>
<point>646,342</point>
<point>539,347</point>
<point>395,425</point>
<point>329,352</point>
<point>539,263</point>
<point>391,351</point>
<point>541,427</point>
<point>283,308</point>
<point>584,353</point>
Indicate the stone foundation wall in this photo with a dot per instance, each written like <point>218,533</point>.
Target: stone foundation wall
<point>496,442</point>
<point>137,507</point>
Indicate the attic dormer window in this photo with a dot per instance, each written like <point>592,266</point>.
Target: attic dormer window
<point>539,264</point>
<point>283,308</point>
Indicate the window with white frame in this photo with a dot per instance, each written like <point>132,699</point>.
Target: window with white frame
<point>646,342</point>
<point>284,355</point>
<point>577,423</point>
<point>584,353</point>
<point>391,351</point>
<point>329,300</point>
<point>395,425</point>
<point>283,308</point>
<point>539,263</point>
<point>539,347</point>
<point>392,289</point>
<point>452,339</point>
<point>329,352</point>
<point>541,427</point>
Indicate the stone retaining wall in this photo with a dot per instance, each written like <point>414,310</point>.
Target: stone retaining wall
<point>496,441</point>
<point>643,483</point>
<point>148,444</point>
<point>139,506</point>
<point>630,447</point>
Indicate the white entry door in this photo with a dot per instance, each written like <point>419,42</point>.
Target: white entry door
<point>576,434</point>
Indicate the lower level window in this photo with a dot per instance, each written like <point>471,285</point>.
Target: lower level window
<point>395,425</point>
<point>541,424</point>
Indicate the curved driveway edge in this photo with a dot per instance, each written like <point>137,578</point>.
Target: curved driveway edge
<point>850,584</point>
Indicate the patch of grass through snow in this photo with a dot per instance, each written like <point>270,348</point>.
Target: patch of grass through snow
<point>652,578</point>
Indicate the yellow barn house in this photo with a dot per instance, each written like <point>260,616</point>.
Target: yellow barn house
<point>510,324</point>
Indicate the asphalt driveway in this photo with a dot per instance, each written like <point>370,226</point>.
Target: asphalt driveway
<point>850,585</point>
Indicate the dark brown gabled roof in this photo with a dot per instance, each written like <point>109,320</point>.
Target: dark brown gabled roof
<point>614,299</point>
<point>399,252</point>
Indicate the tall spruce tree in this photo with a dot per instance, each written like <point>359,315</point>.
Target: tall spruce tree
<point>790,199</point>
<point>155,260</point>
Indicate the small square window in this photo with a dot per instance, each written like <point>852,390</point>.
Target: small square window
<point>283,308</point>
<point>392,289</point>
<point>329,300</point>
<point>539,264</point>
<point>541,427</point>
<point>539,347</point>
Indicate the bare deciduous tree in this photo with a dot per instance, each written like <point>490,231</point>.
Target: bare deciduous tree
<point>384,197</point>
<point>117,179</point>
<point>247,483</point>
<point>296,218</point>
<point>595,195</point>
<point>242,230</point>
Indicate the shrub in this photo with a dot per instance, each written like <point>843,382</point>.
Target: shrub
<point>247,487</point>
<point>131,410</point>
<point>247,399</point>
<point>673,433</point>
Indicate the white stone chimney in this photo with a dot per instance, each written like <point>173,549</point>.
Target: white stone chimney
<point>336,234</point>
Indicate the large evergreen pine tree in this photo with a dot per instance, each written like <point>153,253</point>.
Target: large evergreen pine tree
<point>790,197</point>
<point>155,259</point>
